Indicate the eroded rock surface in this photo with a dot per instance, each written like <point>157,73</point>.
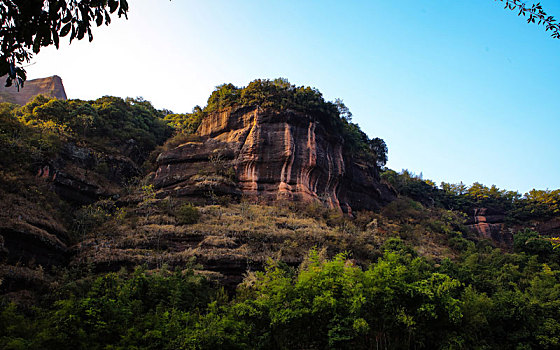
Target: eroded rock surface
<point>82,175</point>
<point>271,155</point>
<point>490,224</point>
<point>51,86</point>
<point>30,232</point>
<point>550,227</point>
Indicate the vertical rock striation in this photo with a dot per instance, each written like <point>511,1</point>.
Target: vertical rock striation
<point>271,155</point>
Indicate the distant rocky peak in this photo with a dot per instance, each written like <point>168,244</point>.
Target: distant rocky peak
<point>51,86</point>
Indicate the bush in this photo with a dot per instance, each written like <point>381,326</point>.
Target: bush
<point>89,217</point>
<point>187,214</point>
<point>531,242</point>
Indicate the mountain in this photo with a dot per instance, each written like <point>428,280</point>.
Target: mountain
<point>265,219</point>
<point>271,155</point>
<point>51,86</point>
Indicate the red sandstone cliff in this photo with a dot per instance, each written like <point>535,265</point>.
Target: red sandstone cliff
<point>488,223</point>
<point>51,86</point>
<point>271,155</point>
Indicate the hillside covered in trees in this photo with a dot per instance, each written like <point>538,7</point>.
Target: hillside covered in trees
<point>95,255</point>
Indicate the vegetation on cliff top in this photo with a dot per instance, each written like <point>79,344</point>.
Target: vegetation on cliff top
<point>279,94</point>
<point>33,133</point>
<point>534,205</point>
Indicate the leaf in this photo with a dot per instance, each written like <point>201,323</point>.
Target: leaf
<point>21,73</point>
<point>65,30</point>
<point>98,18</point>
<point>37,43</point>
<point>67,18</point>
<point>81,33</point>
<point>113,5</point>
<point>73,34</point>
<point>55,38</point>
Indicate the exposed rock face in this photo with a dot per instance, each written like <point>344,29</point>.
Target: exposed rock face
<point>550,227</point>
<point>490,224</point>
<point>29,232</point>
<point>271,155</point>
<point>51,86</point>
<point>81,175</point>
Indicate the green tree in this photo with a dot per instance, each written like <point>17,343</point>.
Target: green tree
<point>332,304</point>
<point>379,147</point>
<point>530,242</point>
<point>343,111</point>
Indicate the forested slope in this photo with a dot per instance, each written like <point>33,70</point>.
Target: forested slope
<point>96,255</point>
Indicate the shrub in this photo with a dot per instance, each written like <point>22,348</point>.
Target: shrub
<point>89,217</point>
<point>187,214</point>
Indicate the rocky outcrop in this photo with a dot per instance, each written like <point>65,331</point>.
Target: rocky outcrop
<point>550,227</point>
<point>51,86</point>
<point>82,175</point>
<point>488,223</point>
<point>30,232</point>
<point>271,155</point>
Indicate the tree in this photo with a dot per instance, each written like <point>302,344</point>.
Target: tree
<point>379,147</point>
<point>343,111</point>
<point>28,25</point>
<point>535,15</point>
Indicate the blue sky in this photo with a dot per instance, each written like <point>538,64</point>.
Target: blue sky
<point>459,90</point>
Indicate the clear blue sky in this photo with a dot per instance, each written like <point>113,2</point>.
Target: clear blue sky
<point>459,90</point>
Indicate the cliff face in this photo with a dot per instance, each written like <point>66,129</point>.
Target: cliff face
<point>51,86</point>
<point>488,223</point>
<point>271,155</point>
<point>82,175</point>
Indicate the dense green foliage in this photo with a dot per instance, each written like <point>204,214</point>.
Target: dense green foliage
<point>485,300</point>
<point>279,94</point>
<point>530,242</point>
<point>186,123</point>
<point>21,143</point>
<point>146,311</point>
<point>35,132</point>
<point>534,205</point>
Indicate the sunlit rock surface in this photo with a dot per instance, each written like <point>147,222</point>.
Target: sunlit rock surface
<point>51,86</point>
<point>268,154</point>
<point>490,224</point>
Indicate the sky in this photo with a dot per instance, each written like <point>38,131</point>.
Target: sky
<point>460,90</point>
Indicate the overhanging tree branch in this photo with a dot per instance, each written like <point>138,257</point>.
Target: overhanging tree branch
<point>534,14</point>
<point>28,25</point>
